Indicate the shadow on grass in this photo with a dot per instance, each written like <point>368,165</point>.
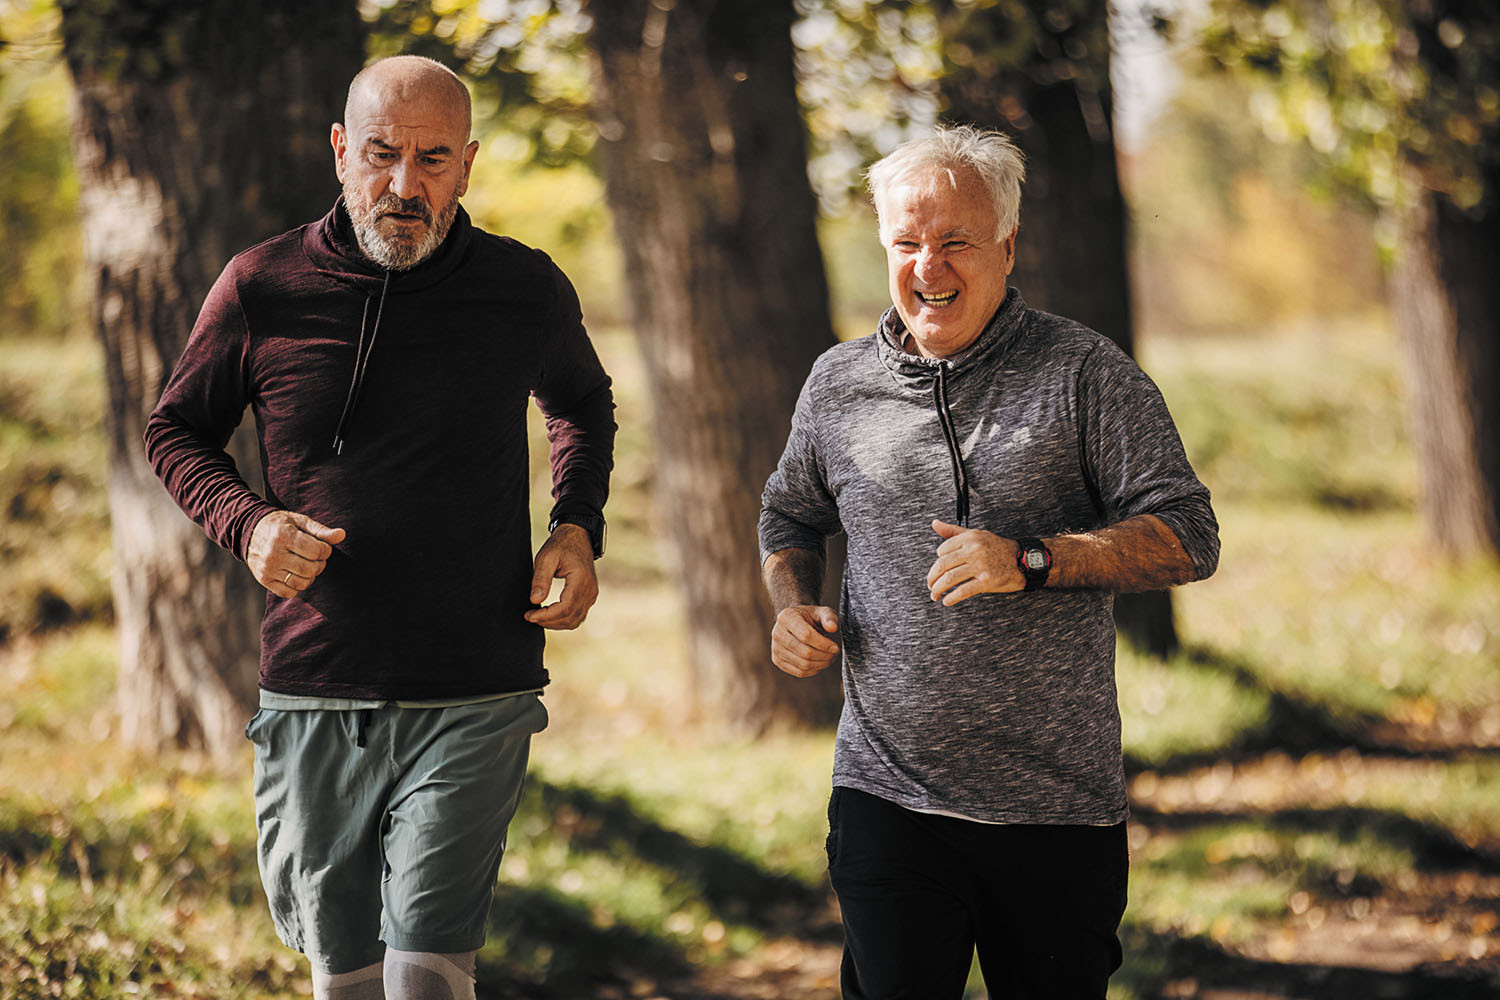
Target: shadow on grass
<point>1168,965</point>
<point>737,888</point>
<point>174,852</point>
<point>1433,848</point>
<point>543,945</point>
<point>1294,724</point>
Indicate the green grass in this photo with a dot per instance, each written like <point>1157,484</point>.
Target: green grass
<point>649,844</point>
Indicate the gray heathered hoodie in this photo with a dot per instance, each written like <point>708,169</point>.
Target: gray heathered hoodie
<point>1001,708</point>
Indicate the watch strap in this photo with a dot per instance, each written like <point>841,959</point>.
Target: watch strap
<point>592,523</point>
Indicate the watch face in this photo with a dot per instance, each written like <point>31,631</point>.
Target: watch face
<point>1036,559</point>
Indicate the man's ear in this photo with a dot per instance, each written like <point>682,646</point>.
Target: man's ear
<point>339,139</point>
<point>470,151</point>
<point>1009,243</point>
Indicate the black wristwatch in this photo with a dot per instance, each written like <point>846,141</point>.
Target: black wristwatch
<point>592,523</point>
<point>1034,560</point>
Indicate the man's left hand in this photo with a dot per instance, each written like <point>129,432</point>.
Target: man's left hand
<point>969,562</point>
<point>569,556</point>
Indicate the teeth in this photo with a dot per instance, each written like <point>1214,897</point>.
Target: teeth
<point>938,300</point>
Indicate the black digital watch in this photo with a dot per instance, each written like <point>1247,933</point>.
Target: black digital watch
<point>1034,560</point>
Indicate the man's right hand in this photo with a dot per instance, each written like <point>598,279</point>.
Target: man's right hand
<point>797,645</point>
<point>288,551</point>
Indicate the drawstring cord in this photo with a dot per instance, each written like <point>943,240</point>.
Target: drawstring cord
<point>361,361</point>
<point>960,474</point>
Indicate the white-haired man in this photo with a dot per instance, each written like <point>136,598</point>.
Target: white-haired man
<point>388,352</point>
<point>1000,472</point>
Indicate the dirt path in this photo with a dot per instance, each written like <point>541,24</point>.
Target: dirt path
<point>1430,934</point>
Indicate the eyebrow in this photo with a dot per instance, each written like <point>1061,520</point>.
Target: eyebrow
<point>961,232</point>
<point>434,151</point>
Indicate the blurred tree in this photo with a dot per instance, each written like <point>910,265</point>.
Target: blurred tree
<point>705,169</point>
<point>1401,99</point>
<point>199,129</point>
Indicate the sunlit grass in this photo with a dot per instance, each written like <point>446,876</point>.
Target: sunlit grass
<point>650,843</point>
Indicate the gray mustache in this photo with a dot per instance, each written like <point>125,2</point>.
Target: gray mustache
<point>407,206</point>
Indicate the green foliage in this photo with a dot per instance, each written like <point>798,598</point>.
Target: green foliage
<point>524,58</point>
<point>42,285</point>
<point>867,74</point>
<point>1377,87</point>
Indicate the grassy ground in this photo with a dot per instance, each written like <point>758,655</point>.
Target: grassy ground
<point>1315,780</point>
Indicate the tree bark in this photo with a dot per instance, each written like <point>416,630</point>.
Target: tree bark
<point>1071,253</point>
<point>705,170</point>
<point>1447,308</point>
<point>199,130</point>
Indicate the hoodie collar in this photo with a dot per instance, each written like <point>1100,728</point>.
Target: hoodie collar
<point>332,248</point>
<point>1002,331</point>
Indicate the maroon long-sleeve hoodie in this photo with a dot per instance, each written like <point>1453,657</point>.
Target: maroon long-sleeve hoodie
<point>424,377</point>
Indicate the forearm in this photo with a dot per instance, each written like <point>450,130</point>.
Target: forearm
<point>203,480</point>
<point>1138,554</point>
<point>794,577</point>
<point>581,445</point>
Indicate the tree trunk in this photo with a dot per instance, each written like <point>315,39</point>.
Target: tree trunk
<point>705,172</point>
<point>1071,250</point>
<point>199,130</point>
<point>1447,307</point>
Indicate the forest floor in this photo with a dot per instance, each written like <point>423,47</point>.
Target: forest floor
<point>1315,779</point>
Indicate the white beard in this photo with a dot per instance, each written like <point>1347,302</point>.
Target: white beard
<point>398,252</point>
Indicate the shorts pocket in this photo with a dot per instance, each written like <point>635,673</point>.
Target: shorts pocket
<point>251,726</point>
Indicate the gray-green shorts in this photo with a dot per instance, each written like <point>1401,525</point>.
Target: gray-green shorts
<point>386,824</point>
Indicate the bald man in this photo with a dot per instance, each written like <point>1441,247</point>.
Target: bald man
<point>388,352</point>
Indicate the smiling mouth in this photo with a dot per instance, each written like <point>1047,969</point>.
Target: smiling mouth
<point>940,299</point>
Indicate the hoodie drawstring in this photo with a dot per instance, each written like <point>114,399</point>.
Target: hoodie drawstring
<point>361,360</point>
<point>960,474</point>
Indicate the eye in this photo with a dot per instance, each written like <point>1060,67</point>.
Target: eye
<point>384,154</point>
<point>955,245</point>
<point>909,246</point>
<point>432,161</point>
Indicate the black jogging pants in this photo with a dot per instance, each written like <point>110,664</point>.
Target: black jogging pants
<point>919,892</point>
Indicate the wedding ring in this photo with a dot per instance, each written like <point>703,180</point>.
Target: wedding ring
<point>288,580</point>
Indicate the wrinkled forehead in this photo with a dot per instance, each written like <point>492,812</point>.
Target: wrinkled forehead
<point>951,198</point>
<point>408,102</point>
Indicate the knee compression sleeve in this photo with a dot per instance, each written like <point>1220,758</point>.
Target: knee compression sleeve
<point>426,975</point>
<point>361,984</point>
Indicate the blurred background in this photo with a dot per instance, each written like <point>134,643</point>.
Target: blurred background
<point>1285,209</point>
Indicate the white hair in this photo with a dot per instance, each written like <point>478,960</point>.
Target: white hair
<point>991,155</point>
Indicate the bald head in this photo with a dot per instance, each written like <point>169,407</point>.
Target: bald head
<point>408,82</point>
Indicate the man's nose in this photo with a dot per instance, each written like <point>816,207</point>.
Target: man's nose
<point>929,262</point>
<point>404,181</point>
